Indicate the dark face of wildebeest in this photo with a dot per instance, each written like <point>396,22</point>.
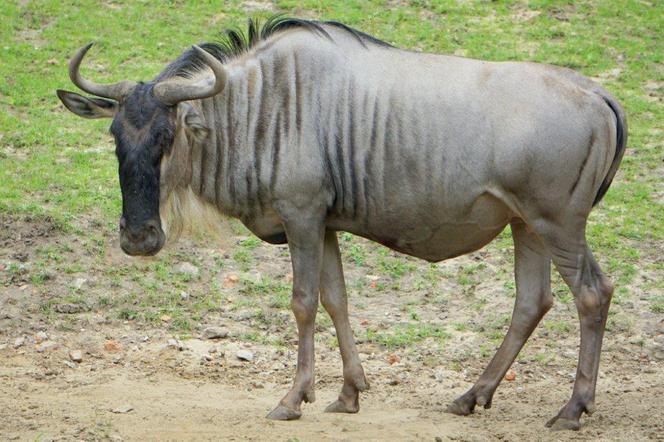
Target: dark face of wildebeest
<point>144,126</point>
<point>144,130</point>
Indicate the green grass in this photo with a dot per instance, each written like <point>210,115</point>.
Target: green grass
<point>61,168</point>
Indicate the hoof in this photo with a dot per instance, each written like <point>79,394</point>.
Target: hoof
<point>562,423</point>
<point>283,413</point>
<point>459,408</point>
<point>339,406</point>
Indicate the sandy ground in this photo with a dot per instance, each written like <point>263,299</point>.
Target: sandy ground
<point>162,388</point>
<point>173,398</point>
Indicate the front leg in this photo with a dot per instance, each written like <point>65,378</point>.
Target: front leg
<point>305,232</point>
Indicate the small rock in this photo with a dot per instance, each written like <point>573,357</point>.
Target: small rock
<point>206,358</point>
<point>76,355</point>
<point>656,352</point>
<point>123,409</point>
<point>69,364</point>
<point>79,283</point>
<point>333,331</point>
<point>245,355</point>
<point>184,296</point>
<point>244,315</point>
<point>439,375</point>
<point>174,343</point>
<point>393,382</point>
<point>40,336</point>
<point>112,346</point>
<point>47,345</point>
<point>212,350</point>
<point>215,333</point>
<point>70,308</point>
<point>510,376</point>
<point>165,318</point>
<point>187,268</point>
<point>19,342</point>
<point>230,281</point>
<point>393,358</point>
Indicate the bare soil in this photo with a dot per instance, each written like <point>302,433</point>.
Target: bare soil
<point>163,391</point>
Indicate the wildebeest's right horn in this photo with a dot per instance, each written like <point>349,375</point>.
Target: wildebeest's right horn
<point>175,90</point>
<point>114,91</point>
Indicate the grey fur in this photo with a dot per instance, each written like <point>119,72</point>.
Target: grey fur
<point>430,155</point>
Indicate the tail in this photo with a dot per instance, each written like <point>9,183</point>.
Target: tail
<point>621,142</point>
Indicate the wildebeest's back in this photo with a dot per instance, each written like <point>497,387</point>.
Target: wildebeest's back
<point>417,145</point>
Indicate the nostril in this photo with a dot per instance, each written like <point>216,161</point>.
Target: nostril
<point>153,226</point>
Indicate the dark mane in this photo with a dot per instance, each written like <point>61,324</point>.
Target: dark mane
<point>235,42</point>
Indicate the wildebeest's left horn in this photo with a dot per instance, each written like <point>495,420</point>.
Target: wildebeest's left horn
<point>173,90</point>
<point>114,91</point>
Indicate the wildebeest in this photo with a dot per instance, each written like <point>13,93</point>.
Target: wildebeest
<point>302,129</point>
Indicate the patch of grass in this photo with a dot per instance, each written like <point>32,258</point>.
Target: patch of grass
<point>404,335</point>
<point>657,304</point>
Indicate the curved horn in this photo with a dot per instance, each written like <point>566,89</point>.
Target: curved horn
<point>175,90</point>
<point>114,91</point>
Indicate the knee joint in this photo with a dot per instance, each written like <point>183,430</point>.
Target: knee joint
<point>303,303</point>
<point>594,298</point>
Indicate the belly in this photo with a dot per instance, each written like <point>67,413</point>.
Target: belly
<point>442,234</point>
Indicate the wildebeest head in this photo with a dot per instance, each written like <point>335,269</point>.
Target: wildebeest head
<point>145,123</point>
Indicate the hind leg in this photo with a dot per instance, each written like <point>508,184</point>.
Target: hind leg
<point>333,297</point>
<point>533,299</point>
<point>592,296</point>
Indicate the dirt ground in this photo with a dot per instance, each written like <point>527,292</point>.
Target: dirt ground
<point>141,380</point>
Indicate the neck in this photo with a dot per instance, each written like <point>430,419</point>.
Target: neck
<point>235,168</point>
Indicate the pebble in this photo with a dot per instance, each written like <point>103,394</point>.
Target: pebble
<point>69,364</point>
<point>19,342</point>
<point>187,268</point>
<point>656,352</point>
<point>184,296</point>
<point>212,350</point>
<point>245,355</point>
<point>244,315</point>
<point>76,355</point>
<point>206,358</point>
<point>40,336</point>
<point>439,375</point>
<point>215,333</point>
<point>112,346</point>
<point>79,283</point>
<point>46,345</point>
<point>174,343</point>
<point>70,308</point>
<point>123,409</point>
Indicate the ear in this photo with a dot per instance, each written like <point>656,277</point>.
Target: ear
<point>194,123</point>
<point>88,107</point>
